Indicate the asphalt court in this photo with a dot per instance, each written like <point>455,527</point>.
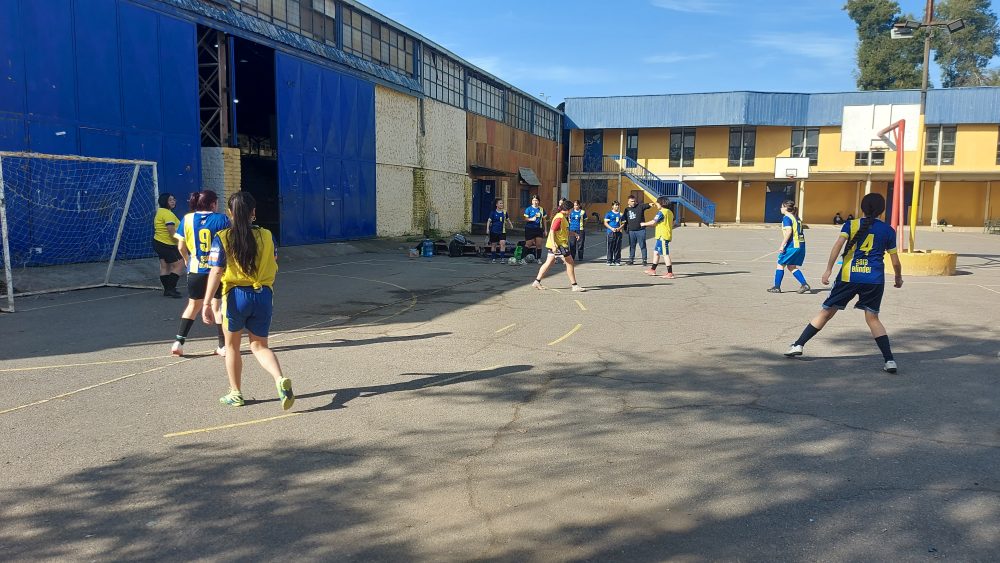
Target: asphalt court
<point>447,411</point>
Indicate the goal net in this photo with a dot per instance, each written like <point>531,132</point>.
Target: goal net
<point>70,222</point>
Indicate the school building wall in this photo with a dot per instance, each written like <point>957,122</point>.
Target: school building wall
<point>496,146</point>
<point>836,184</point>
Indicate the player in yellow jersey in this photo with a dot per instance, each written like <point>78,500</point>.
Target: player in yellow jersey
<point>664,222</point>
<point>558,245</point>
<point>244,260</point>
<point>164,227</point>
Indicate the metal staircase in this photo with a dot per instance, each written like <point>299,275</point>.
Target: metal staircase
<point>678,192</point>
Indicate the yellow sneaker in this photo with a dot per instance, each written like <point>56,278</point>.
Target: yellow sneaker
<point>285,393</point>
<point>233,399</point>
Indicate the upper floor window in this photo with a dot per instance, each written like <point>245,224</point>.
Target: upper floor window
<point>864,158</point>
<point>444,78</point>
<point>375,41</point>
<point>312,18</point>
<point>681,148</point>
<point>519,111</point>
<point>546,123</point>
<point>805,144</point>
<point>742,145</point>
<point>486,98</point>
<point>940,145</point>
<point>632,143</point>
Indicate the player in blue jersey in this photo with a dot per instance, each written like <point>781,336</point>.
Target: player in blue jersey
<point>792,250</point>
<point>534,226</point>
<point>866,242</point>
<point>194,242</point>
<point>496,226</point>
<point>613,223</point>
<point>577,230</point>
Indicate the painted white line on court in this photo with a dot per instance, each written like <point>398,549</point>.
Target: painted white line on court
<point>565,336</point>
<point>505,328</point>
<point>759,258</point>
<point>20,310</point>
<point>227,426</point>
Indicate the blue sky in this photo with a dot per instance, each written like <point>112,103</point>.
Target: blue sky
<point>568,48</point>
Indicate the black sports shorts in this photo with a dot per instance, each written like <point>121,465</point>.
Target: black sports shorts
<point>167,252</point>
<point>197,284</point>
<point>869,296</point>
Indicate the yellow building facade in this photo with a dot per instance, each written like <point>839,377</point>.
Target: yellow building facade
<point>960,172</point>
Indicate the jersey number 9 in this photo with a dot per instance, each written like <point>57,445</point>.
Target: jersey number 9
<point>205,240</point>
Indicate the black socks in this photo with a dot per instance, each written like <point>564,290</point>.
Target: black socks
<point>670,268</point>
<point>807,333</point>
<point>883,345</point>
<point>183,329</point>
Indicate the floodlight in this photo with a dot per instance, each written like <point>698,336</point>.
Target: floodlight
<point>900,33</point>
<point>955,25</point>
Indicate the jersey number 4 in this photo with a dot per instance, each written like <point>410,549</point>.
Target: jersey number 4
<point>867,245</point>
<point>205,240</point>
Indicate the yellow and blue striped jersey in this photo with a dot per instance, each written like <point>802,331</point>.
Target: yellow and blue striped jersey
<point>865,260</point>
<point>798,238</point>
<point>198,230</point>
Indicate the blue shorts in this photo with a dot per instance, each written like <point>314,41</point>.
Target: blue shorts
<point>244,307</point>
<point>662,247</point>
<point>792,256</point>
<point>869,296</point>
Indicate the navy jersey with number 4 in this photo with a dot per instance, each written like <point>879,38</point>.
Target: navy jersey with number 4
<point>865,261</point>
<point>197,230</point>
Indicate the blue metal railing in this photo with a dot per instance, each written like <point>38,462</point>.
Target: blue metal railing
<point>678,192</point>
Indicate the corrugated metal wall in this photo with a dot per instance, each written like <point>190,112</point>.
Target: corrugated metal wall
<point>326,153</point>
<point>952,106</point>
<point>101,78</point>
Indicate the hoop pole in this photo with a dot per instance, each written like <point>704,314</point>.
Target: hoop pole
<point>8,276</point>
<point>901,172</point>
<point>121,224</point>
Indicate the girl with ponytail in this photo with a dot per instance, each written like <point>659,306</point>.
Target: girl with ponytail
<point>243,260</point>
<point>863,244</point>
<point>194,237</point>
<point>792,250</point>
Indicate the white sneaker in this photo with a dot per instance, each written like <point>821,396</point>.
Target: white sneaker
<point>177,349</point>
<point>579,288</point>
<point>220,351</point>
<point>794,350</point>
<point>890,366</point>
<point>535,284</point>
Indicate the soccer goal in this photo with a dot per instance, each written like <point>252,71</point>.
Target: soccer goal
<point>71,222</point>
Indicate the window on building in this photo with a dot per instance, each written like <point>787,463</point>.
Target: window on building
<point>681,148</point>
<point>593,191</point>
<point>940,145</point>
<point>805,144</point>
<point>863,158</point>
<point>486,98</point>
<point>632,143</point>
<point>519,109</point>
<point>376,41</point>
<point>546,123</point>
<point>444,78</point>
<point>742,145</point>
<point>315,19</point>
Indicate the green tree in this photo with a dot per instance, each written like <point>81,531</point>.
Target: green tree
<point>884,63</point>
<point>964,55</point>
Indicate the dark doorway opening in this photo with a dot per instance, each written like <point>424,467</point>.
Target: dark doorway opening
<point>255,114</point>
<point>890,198</point>
<point>484,194</point>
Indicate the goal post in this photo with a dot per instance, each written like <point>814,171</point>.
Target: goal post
<point>71,222</point>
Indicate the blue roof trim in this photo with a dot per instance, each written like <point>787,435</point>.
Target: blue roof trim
<point>950,106</point>
<point>246,22</point>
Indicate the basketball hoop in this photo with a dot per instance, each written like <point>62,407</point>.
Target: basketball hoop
<point>791,173</point>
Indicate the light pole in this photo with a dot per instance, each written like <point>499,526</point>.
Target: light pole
<point>903,30</point>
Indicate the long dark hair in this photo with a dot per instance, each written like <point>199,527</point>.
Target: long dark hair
<point>789,205</point>
<point>202,201</point>
<point>872,205</point>
<point>164,200</point>
<point>243,240</point>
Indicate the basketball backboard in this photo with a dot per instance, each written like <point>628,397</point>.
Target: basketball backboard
<point>791,168</point>
<point>860,125</point>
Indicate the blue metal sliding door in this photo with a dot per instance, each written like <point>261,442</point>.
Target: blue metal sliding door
<point>326,153</point>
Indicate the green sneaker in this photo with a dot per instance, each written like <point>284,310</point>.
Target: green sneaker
<point>285,393</point>
<point>233,399</point>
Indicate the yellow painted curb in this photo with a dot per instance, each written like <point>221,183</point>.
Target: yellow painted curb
<point>929,263</point>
